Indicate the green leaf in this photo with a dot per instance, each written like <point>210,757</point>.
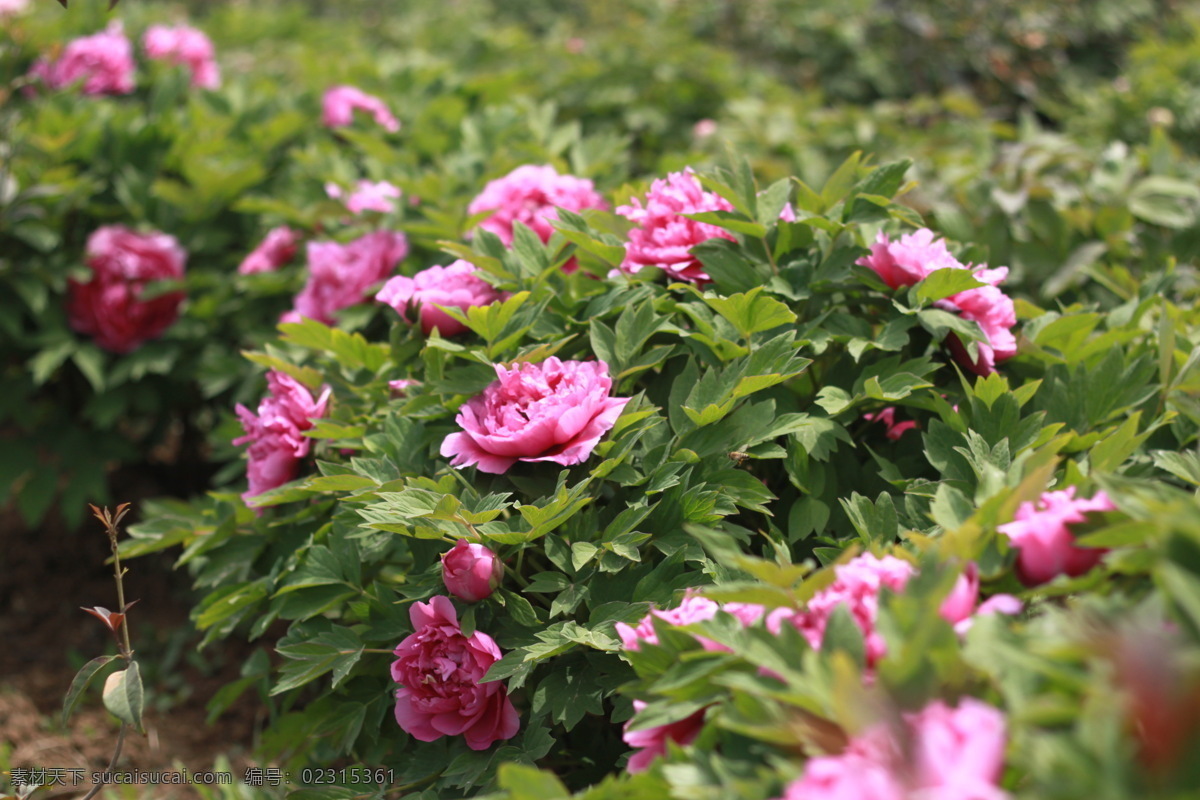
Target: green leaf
<point>944,282</point>
<point>124,697</point>
<point>336,651</point>
<point>730,221</point>
<point>752,311</point>
<point>530,783</point>
<point>80,682</point>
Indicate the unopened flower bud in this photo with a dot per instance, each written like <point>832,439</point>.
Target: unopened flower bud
<point>471,571</point>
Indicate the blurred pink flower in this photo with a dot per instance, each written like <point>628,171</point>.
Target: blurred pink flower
<point>530,195</point>
<point>1044,542</point>
<point>275,250</point>
<point>341,274</point>
<point>961,607</point>
<point>109,307</point>
<point>553,411</point>
<point>184,45</point>
<point>438,669</point>
<point>10,8</point>
<point>652,742</point>
<point>275,433</point>
<point>694,608</point>
<point>368,196</point>
<point>340,102</point>
<point>471,571</point>
<point>457,285</point>
<point>887,416</point>
<point>938,753</point>
<point>400,386</point>
<point>102,61</point>
<point>704,128</point>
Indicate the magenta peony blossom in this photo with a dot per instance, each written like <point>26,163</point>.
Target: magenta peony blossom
<point>457,285</point>
<point>1044,543</point>
<point>278,248</point>
<point>102,61</point>
<point>368,196</point>
<point>938,753</point>
<point>663,237</point>
<point>184,45</point>
<point>438,669</point>
<point>887,416</point>
<point>341,274</point>
<point>471,571</point>
<point>553,411</point>
<point>915,256</point>
<point>275,433</point>
<point>340,102</point>
<point>109,307</point>
<point>531,195</point>
<point>652,742</point>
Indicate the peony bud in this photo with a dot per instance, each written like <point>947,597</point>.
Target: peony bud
<point>471,571</point>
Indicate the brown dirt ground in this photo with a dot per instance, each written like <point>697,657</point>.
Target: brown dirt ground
<point>45,577</point>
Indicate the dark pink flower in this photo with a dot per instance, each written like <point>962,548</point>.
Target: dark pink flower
<point>531,195</point>
<point>457,286</point>
<point>1043,539</point>
<point>109,307</point>
<point>278,248</point>
<point>438,669</point>
<point>887,416</point>
<point>184,45</point>
<point>102,61</point>
<point>471,571</point>
<point>340,274</point>
<point>340,102</point>
<point>553,411</point>
<point>275,433</point>
<point>367,196</point>
<point>652,742</point>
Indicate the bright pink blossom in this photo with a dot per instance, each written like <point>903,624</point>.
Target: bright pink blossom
<point>340,103</point>
<point>275,433</point>
<point>109,307</point>
<point>438,669</point>
<point>887,416</point>
<point>694,608</point>
<point>553,411</point>
<point>184,45</point>
<point>938,753</point>
<point>961,607</point>
<point>914,256</point>
<point>471,571</point>
<point>102,61</point>
<point>340,274</point>
<point>652,742</point>
<point>458,286</point>
<point>531,195</point>
<point>1043,539</point>
<point>367,196</point>
<point>275,250</point>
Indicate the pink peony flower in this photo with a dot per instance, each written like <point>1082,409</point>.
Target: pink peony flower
<point>273,252</point>
<point>400,386</point>
<point>340,102</point>
<point>1045,545</point>
<point>471,571</point>
<point>961,606</point>
<point>184,45</point>
<point>663,237</point>
<point>457,285</point>
<point>938,753</point>
<point>102,61</point>
<point>109,307</point>
<point>532,195</point>
<point>341,274</point>
<point>887,416</point>
<point>915,256</point>
<point>275,433</point>
<point>438,669</point>
<point>694,608</point>
<point>368,196</point>
<point>553,411</point>
<point>652,742</point>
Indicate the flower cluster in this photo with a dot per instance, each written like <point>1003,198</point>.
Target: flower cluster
<point>276,433</point>
<point>553,411</point>
<point>457,285</point>
<point>938,752</point>
<point>915,256</point>
<point>1044,543</point>
<point>102,61</point>
<point>109,307</point>
<point>184,45</point>
<point>531,195</point>
<point>438,670</point>
<point>340,274</point>
<point>275,250</point>
<point>340,103</point>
